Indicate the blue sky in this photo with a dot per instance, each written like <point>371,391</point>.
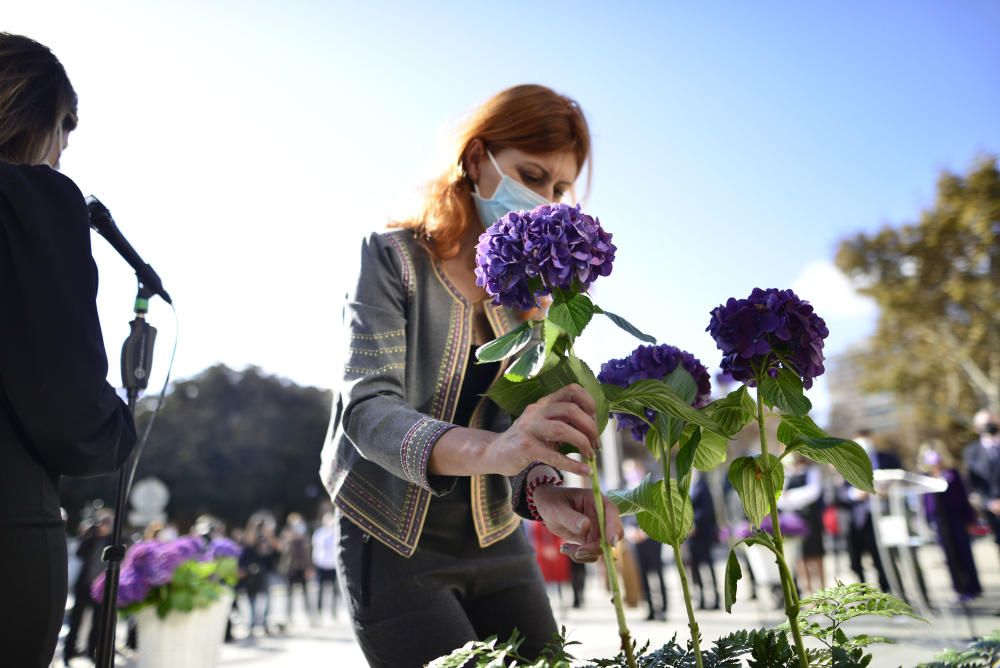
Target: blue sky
<point>244,147</point>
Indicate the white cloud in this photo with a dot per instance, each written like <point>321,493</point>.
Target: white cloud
<point>831,293</point>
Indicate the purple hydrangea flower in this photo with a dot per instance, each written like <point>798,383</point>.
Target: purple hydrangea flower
<point>526,254</point>
<point>148,564</point>
<point>791,525</point>
<point>222,547</point>
<point>656,363</point>
<point>768,330</point>
<point>132,587</point>
<point>156,561</point>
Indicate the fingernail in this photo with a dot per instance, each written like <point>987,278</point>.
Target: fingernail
<point>579,523</point>
<point>586,470</point>
<point>613,541</point>
<point>565,549</point>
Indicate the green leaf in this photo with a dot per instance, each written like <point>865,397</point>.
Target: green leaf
<point>658,396</point>
<point>527,365</point>
<point>671,428</point>
<point>686,455</point>
<point>586,378</point>
<point>746,475</point>
<point>571,311</point>
<point>785,392</point>
<point>733,411</point>
<point>733,575</point>
<point>648,503</point>
<point>628,327</point>
<point>509,344</point>
<point>803,436</point>
<point>624,500</point>
<point>711,451</point>
<point>515,397</point>
<point>683,384</point>
<point>555,340</point>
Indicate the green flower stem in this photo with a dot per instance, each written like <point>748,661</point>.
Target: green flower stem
<point>678,561</point>
<point>791,595</point>
<point>609,563</point>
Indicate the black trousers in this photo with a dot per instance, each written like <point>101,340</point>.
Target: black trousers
<point>33,585</point>
<point>82,602</point>
<point>861,539</point>
<point>407,612</point>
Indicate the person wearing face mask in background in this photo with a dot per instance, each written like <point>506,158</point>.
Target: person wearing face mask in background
<point>58,414</point>
<point>982,462</point>
<point>429,478</point>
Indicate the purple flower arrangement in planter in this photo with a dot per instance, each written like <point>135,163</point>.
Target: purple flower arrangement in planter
<point>180,574</point>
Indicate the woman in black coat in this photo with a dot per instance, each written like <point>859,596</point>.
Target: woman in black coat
<point>58,414</point>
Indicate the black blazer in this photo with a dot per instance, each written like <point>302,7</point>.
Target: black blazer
<point>58,414</point>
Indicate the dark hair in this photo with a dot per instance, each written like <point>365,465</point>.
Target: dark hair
<point>35,98</point>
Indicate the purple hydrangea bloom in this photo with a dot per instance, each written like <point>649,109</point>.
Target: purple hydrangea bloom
<point>156,561</point>
<point>768,330</point>
<point>791,525</point>
<point>526,254</point>
<point>656,363</point>
<point>222,547</point>
<point>132,587</point>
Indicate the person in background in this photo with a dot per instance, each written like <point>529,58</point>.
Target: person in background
<point>951,515</point>
<point>296,560</point>
<point>324,559</point>
<point>861,532</point>
<point>58,414</point>
<point>257,565</point>
<point>649,555</point>
<point>94,539</point>
<point>553,564</point>
<point>982,463</point>
<point>703,538</point>
<point>803,496</point>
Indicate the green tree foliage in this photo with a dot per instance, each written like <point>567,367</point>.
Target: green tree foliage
<point>228,443</point>
<point>937,285</point>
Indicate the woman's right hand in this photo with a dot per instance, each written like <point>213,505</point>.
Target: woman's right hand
<point>565,416</point>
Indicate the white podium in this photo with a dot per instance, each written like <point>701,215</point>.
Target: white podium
<point>893,529</point>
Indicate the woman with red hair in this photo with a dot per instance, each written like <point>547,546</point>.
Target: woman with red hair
<point>429,477</point>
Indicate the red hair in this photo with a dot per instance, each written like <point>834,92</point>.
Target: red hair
<point>531,118</point>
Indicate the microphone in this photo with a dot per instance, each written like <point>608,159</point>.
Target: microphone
<point>104,224</point>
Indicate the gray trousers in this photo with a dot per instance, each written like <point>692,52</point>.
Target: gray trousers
<point>407,612</point>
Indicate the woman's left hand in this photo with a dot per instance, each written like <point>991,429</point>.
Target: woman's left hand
<point>569,513</point>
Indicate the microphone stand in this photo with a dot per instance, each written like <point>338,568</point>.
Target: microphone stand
<point>137,361</point>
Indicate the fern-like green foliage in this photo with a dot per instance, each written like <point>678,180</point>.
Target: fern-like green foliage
<point>492,653</point>
<point>763,648</point>
<point>822,614</point>
<point>983,653</point>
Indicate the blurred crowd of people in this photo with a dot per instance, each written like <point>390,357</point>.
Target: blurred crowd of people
<point>829,517</point>
<point>298,556</point>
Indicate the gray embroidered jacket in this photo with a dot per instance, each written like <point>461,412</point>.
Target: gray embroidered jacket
<point>407,339</point>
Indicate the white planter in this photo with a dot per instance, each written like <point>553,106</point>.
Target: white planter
<point>188,639</point>
<point>761,559</point>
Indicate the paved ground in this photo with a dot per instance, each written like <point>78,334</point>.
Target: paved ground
<point>331,643</point>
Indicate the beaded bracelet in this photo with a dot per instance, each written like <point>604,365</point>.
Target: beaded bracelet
<point>529,494</point>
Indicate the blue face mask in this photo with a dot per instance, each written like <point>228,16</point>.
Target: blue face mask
<point>510,196</point>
